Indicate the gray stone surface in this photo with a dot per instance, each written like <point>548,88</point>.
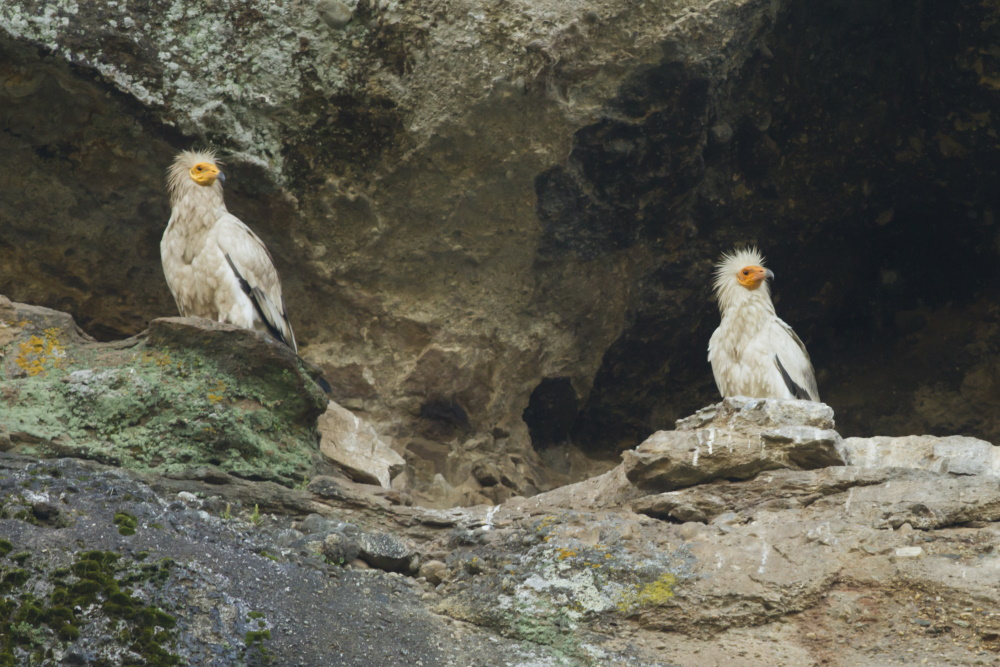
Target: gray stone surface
<point>219,578</point>
<point>407,166</point>
<point>548,226</point>
<point>955,454</point>
<point>548,221</point>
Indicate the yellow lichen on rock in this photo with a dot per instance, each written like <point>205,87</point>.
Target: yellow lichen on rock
<point>219,393</point>
<point>37,354</point>
<point>652,594</point>
<point>157,357</point>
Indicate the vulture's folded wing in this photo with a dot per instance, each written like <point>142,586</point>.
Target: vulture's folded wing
<point>254,269</point>
<point>793,362</point>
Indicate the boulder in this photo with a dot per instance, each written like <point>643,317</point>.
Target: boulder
<point>384,551</point>
<point>354,445</point>
<point>190,394</point>
<point>736,439</point>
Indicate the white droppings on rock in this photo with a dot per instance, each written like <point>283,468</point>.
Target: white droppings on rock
<point>763,558</point>
<point>909,552</point>
<point>488,522</point>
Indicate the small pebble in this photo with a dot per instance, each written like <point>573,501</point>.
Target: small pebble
<point>720,134</point>
<point>434,571</point>
<point>334,13</point>
<point>690,530</point>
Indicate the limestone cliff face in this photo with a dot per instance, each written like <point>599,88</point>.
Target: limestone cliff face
<point>496,222</point>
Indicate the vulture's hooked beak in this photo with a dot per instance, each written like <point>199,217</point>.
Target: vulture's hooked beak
<point>221,178</point>
<point>768,273</point>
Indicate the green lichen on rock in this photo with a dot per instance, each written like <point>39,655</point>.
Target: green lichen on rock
<point>217,65</point>
<point>184,397</point>
<point>550,593</point>
<point>257,637</point>
<point>16,506</point>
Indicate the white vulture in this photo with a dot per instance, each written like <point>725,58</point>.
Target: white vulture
<point>215,266</point>
<point>753,353</point>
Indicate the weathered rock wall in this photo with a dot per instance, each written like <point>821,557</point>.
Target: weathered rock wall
<point>496,223</point>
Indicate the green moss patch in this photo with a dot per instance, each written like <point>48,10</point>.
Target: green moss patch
<point>256,639</point>
<point>97,582</point>
<point>126,523</point>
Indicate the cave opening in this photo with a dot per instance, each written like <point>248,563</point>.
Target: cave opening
<point>551,412</point>
<point>858,149</point>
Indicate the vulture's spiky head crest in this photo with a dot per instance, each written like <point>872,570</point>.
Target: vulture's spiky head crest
<point>740,275</point>
<point>198,167</point>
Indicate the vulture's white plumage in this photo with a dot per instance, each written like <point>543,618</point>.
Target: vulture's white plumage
<point>215,266</point>
<point>753,353</point>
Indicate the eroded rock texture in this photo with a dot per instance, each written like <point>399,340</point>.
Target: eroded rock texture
<point>888,560</point>
<point>496,223</point>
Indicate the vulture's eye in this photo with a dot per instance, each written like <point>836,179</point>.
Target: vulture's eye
<point>199,169</point>
<point>746,272</point>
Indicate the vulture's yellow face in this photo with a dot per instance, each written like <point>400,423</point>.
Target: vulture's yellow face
<point>205,173</point>
<point>753,276</point>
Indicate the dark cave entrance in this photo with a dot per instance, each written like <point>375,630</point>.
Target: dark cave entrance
<point>551,412</point>
<point>859,149</point>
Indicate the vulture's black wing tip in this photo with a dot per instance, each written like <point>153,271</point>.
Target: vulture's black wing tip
<point>323,384</point>
<point>797,391</point>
